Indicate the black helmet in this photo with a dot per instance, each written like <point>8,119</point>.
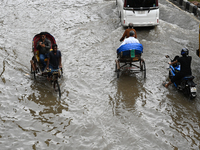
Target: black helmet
<point>130,25</point>
<point>184,51</point>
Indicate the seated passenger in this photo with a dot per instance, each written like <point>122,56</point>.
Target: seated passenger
<point>127,31</point>
<point>131,39</point>
<point>54,58</point>
<point>130,43</point>
<point>43,45</point>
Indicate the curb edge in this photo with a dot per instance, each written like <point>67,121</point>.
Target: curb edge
<point>187,6</point>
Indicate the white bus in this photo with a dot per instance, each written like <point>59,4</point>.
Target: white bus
<point>139,12</point>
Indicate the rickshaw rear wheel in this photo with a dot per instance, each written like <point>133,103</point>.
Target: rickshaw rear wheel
<point>117,73</point>
<point>143,67</point>
<point>115,67</point>
<point>33,72</point>
<point>57,87</point>
<point>116,70</point>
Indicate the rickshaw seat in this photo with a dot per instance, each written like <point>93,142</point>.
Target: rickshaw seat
<point>132,55</point>
<point>38,55</point>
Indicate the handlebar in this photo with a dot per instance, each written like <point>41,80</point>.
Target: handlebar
<point>55,71</point>
<point>167,56</point>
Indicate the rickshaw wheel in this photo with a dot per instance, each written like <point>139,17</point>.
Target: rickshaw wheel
<point>116,70</point>
<point>115,67</point>
<point>34,75</point>
<point>117,73</point>
<point>57,87</point>
<point>143,67</point>
<point>31,69</point>
<point>33,72</point>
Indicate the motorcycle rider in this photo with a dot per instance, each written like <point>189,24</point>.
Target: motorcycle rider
<point>185,62</point>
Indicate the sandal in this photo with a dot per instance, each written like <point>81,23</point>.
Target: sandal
<point>164,84</point>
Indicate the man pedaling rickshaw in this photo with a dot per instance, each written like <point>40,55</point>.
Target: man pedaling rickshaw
<point>127,31</point>
<point>54,59</point>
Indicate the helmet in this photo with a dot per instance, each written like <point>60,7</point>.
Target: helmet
<point>130,25</point>
<point>184,51</point>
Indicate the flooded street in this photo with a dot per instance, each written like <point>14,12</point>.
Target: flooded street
<point>97,110</point>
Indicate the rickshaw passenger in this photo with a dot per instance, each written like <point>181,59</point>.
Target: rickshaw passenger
<point>43,46</point>
<point>54,58</point>
<point>127,31</point>
<point>131,39</point>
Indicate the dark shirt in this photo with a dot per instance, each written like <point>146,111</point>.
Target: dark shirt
<point>185,65</point>
<point>44,50</point>
<point>126,34</point>
<point>54,59</point>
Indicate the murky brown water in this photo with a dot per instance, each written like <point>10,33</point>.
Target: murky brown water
<point>96,110</point>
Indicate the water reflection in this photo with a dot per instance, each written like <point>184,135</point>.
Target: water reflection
<point>141,115</point>
<point>44,95</point>
<point>184,121</point>
<point>129,88</point>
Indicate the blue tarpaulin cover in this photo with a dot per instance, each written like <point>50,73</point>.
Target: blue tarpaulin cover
<point>126,47</point>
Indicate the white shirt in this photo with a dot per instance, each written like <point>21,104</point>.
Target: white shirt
<point>130,40</point>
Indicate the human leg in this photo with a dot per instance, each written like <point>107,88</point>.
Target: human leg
<point>50,73</point>
<point>43,63</point>
<point>42,57</point>
<point>167,84</point>
<point>177,77</point>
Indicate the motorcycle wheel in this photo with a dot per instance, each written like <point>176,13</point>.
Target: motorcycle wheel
<point>188,92</point>
<point>193,94</point>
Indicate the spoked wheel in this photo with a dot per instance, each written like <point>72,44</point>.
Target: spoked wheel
<point>34,75</point>
<point>34,69</point>
<point>117,73</point>
<point>116,70</point>
<point>143,68</point>
<point>115,67</point>
<point>56,87</point>
<point>33,72</point>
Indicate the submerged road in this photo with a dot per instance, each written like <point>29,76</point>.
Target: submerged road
<point>96,110</point>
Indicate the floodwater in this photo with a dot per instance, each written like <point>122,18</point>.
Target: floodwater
<point>96,111</point>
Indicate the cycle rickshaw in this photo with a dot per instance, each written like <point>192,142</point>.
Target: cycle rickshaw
<point>36,67</point>
<point>129,59</point>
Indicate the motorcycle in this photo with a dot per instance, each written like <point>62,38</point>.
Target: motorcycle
<point>186,84</point>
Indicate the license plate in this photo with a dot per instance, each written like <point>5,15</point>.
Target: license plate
<point>141,12</point>
<point>193,89</point>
